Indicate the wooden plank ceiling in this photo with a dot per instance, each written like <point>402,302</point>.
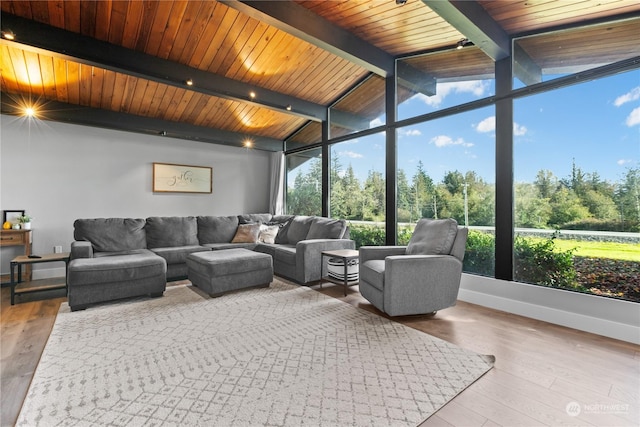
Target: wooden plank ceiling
<point>293,76</point>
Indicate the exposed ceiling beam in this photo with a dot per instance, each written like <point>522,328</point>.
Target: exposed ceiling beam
<point>48,40</point>
<point>300,22</point>
<point>415,80</point>
<point>524,67</point>
<point>476,24</point>
<point>88,116</point>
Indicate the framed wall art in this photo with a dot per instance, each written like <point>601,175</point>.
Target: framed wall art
<point>12,216</point>
<point>171,178</point>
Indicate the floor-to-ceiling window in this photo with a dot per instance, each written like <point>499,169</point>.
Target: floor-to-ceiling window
<point>577,191</point>
<point>304,183</point>
<point>358,187</point>
<point>576,161</point>
<point>446,169</point>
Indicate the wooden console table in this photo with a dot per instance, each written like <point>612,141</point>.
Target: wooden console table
<point>18,238</point>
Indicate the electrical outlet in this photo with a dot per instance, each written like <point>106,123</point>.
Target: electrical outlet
<point>57,249</point>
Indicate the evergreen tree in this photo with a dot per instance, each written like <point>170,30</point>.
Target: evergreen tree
<point>404,198</point>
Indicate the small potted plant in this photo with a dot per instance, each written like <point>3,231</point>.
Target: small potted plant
<point>25,221</point>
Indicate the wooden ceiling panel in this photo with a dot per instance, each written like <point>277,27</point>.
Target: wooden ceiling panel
<point>213,38</point>
<point>524,16</point>
<point>579,49</point>
<point>46,78</point>
<point>445,66</point>
<point>397,29</point>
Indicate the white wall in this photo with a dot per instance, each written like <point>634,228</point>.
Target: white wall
<point>59,172</point>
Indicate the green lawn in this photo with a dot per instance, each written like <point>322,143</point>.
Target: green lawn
<point>621,251</point>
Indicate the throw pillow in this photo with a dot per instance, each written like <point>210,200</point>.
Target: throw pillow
<point>246,233</point>
<point>268,233</point>
<point>433,237</point>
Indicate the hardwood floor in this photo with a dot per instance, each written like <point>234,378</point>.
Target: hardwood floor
<point>544,374</point>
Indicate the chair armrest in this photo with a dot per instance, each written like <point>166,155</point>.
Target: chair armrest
<point>379,252</point>
<point>81,249</point>
<point>309,252</point>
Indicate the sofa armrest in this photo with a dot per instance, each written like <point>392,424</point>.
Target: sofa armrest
<point>309,253</point>
<point>379,252</point>
<point>81,249</point>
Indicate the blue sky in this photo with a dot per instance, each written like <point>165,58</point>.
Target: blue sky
<point>596,123</point>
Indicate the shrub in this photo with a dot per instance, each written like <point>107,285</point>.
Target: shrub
<point>479,257</point>
<point>539,262</point>
<point>404,235</point>
<point>367,235</point>
<point>374,235</point>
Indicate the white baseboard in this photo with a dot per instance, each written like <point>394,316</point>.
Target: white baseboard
<point>603,316</point>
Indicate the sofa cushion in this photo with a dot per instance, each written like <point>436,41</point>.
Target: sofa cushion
<point>286,254</point>
<point>325,228</point>
<point>166,232</point>
<point>266,248</point>
<point>216,229</point>
<point>247,233</point>
<point>111,234</point>
<point>252,218</point>
<point>433,237</point>
<point>298,228</point>
<point>280,219</point>
<point>372,272</point>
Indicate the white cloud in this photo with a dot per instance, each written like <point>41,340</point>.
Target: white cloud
<point>351,154</point>
<point>519,130</point>
<point>409,132</point>
<point>487,125</point>
<point>444,141</point>
<point>634,118</point>
<point>476,87</point>
<point>375,123</point>
<point>632,95</point>
<point>623,162</point>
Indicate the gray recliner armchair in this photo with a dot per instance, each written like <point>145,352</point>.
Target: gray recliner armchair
<point>420,278</point>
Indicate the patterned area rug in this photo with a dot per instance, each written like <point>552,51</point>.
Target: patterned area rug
<point>284,355</point>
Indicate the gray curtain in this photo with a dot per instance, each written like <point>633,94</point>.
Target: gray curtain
<point>276,197</point>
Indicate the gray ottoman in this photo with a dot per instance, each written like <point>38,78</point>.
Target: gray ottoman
<point>95,280</point>
<point>217,272</point>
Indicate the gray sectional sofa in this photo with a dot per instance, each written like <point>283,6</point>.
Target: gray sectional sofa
<point>142,250</point>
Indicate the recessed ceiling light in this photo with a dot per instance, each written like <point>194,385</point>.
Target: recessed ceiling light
<point>252,94</point>
<point>189,82</point>
<point>8,35</point>
<point>462,43</point>
<point>247,143</point>
<point>289,107</point>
